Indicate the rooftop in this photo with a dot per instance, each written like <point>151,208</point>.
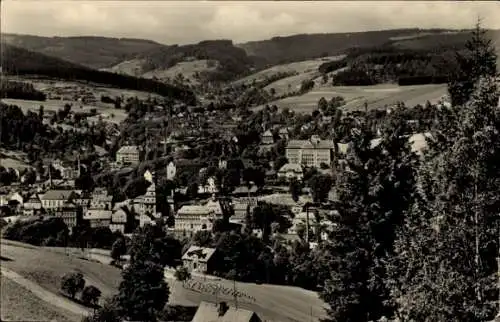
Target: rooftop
<point>57,195</point>
<point>193,210</point>
<point>313,143</point>
<point>209,312</point>
<point>128,149</point>
<point>96,214</point>
<point>291,167</point>
<point>201,253</point>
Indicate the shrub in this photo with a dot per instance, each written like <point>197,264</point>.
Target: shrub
<point>72,283</point>
<point>90,295</point>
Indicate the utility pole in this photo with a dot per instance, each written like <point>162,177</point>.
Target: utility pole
<point>235,294</point>
<point>307,223</point>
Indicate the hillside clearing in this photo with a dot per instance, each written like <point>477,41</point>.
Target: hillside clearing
<point>377,96</point>
<point>44,267</point>
<point>20,304</point>
<point>55,105</point>
<point>306,66</point>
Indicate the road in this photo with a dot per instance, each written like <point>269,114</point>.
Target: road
<point>271,302</point>
<point>43,294</point>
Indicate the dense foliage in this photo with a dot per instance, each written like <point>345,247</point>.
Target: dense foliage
<point>23,62</point>
<point>20,90</point>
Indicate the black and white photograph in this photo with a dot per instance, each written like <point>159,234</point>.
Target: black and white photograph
<point>249,161</point>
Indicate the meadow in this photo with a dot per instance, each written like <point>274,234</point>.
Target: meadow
<point>377,96</point>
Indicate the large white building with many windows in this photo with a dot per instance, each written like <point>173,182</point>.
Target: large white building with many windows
<point>310,153</point>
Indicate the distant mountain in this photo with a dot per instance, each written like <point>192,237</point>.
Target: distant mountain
<point>279,50</point>
<point>93,52</point>
<point>19,61</point>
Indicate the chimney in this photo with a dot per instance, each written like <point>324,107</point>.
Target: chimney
<point>223,307</point>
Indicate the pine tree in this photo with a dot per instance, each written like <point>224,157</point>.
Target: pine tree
<point>376,190</point>
<point>478,59</point>
<point>446,265</point>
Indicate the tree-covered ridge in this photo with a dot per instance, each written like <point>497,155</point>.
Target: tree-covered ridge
<point>19,61</point>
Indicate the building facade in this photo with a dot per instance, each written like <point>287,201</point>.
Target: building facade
<point>310,153</point>
<point>198,259</point>
<point>128,154</point>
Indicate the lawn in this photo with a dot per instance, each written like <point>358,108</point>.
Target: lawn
<point>377,96</point>
<point>20,304</point>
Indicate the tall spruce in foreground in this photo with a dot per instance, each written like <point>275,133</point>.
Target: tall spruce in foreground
<point>477,60</point>
<point>446,267</point>
<point>374,193</point>
<point>143,291</point>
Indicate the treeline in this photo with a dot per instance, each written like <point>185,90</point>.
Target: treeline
<point>20,90</point>
<point>388,64</point>
<point>332,66</point>
<point>229,61</point>
<point>23,62</point>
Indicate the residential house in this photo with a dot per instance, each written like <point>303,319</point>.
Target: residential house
<point>199,259</point>
<point>310,153</point>
<point>83,199</point>
<point>128,154</point>
<point>211,312</point>
<point>33,206</point>
<point>98,217</point>
<point>240,212</point>
<point>290,171</point>
<point>70,213</point>
<point>284,133</point>
<point>55,199</point>
<point>267,137</point>
<point>171,171</point>
<point>101,199</point>
<point>67,172</point>
<point>192,218</point>
<point>209,188</point>
<point>119,221</point>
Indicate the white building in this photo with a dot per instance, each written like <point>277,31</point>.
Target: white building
<point>290,171</point>
<point>310,153</point>
<point>128,154</point>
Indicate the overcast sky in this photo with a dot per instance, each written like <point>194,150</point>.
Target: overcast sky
<point>181,22</point>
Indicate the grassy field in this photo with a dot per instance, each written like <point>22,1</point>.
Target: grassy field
<point>20,304</point>
<point>376,96</point>
<point>278,303</point>
<point>55,105</point>
<point>302,67</point>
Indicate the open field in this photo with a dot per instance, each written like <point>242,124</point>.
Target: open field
<point>306,66</point>
<point>20,304</point>
<point>376,96</point>
<point>279,303</point>
<point>55,105</point>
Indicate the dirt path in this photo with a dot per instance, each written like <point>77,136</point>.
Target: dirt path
<point>43,294</point>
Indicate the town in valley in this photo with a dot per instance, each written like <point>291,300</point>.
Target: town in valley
<point>348,175</point>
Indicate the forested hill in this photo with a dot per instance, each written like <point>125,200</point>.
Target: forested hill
<point>280,50</point>
<point>20,61</point>
<point>93,52</point>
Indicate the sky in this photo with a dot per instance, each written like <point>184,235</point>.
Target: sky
<point>182,22</point>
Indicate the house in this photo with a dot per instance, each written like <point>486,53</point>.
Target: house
<point>240,212</point>
<point>101,199</point>
<point>290,171</point>
<point>209,188</point>
<point>54,199</point>
<point>98,217</point>
<point>267,137</point>
<point>284,133</point>
<point>33,206</point>
<point>192,218</point>
<point>70,213</point>
<point>310,153</point>
<point>211,312</point>
<point>83,199</point>
<point>128,154</point>
<point>171,171</point>
<point>198,259</point>
<point>118,221</point>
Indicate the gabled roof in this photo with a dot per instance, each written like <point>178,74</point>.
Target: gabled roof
<point>196,210</point>
<point>96,214</point>
<point>293,167</point>
<point>58,195</point>
<point>244,189</point>
<point>203,254</point>
<point>209,312</point>
<point>128,149</point>
<point>308,144</point>
<point>268,133</point>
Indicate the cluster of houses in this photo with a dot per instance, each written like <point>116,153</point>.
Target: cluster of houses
<point>95,209</point>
